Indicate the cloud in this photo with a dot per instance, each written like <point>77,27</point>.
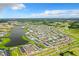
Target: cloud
<point>13,6</point>
<point>17,6</point>
<point>58,14</point>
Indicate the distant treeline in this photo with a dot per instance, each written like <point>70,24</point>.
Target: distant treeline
<point>47,19</point>
<point>38,19</point>
<point>74,25</point>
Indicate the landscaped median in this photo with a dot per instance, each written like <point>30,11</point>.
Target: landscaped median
<point>27,39</point>
<point>41,45</point>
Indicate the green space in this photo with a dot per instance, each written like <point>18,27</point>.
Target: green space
<point>75,51</point>
<point>68,54</point>
<point>27,39</point>
<point>3,42</point>
<point>73,33</point>
<point>41,45</point>
<point>15,52</point>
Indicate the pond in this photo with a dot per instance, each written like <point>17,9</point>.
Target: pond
<point>16,37</point>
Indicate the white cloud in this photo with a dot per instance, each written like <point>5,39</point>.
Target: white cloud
<point>13,6</point>
<point>58,13</point>
<point>17,6</point>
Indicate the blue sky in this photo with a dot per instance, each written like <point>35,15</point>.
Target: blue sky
<point>39,10</point>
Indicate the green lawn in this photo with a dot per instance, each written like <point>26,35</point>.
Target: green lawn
<point>15,52</point>
<point>75,51</point>
<point>3,42</point>
<point>41,45</point>
<point>68,54</point>
<point>29,40</point>
<point>74,33</point>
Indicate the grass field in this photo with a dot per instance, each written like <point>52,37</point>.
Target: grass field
<point>68,54</point>
<point>3,42</point>
<point>15,52</point>
<point>75,51</point>
<point>74,34</point>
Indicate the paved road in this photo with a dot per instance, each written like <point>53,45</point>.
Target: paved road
<point>16,34</point>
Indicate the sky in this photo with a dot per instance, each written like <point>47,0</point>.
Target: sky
<point>39,10</point>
